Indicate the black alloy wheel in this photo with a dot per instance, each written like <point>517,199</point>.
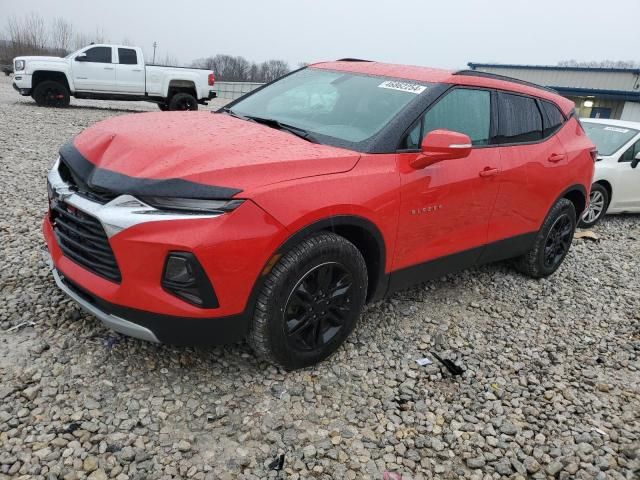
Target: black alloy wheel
<point>318,306</point>
<point>51,94</point>
<point>558,241</point>
<point>183,101</point>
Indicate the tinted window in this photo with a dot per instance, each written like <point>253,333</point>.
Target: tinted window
<point>412,140</point>
<point>127,56</point>
<point>462,110</point>
<point>551,118</point>
<point>631,152</point>
<point>99,55</point>
<point>519,119</point>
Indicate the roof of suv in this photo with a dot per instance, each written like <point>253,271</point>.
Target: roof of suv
<point>435,75</point>
<point>614,123</point>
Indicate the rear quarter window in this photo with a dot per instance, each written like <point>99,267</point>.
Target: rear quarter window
<point>552,118</point>
<point>519,119</point>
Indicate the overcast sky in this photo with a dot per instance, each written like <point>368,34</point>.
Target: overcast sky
<point>444,33</point>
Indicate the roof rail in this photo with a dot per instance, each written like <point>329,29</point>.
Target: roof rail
<point>348,59</point>
<point>478,73</point>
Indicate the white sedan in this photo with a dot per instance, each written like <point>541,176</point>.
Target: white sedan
<point>616,182</point>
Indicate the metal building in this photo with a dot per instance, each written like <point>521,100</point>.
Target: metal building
<point>597,92</point>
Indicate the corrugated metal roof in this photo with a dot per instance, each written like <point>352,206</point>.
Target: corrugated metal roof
<point>600,79</point>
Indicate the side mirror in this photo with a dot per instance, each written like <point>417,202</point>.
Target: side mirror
<point>635,161</point>
<point>440,145</point>
<point>81,57</point>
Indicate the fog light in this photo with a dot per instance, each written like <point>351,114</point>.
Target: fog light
<point>184,277</point>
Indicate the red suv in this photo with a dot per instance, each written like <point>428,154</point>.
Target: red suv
<point>276,218</point>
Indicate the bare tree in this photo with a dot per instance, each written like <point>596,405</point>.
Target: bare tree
<point>238,69</point>
<point>167,61</point>
<point>272,69</point>
<point>600,64</point>
<point>61,35</point>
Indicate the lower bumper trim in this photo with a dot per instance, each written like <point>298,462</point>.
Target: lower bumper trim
<point>113,322</point>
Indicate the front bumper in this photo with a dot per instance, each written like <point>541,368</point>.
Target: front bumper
<point>110,321</point>
<point>232,248</point>
<point>22,91</point>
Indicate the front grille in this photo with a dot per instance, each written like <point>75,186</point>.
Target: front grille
<point>100,196</point>
<point>83,240</point>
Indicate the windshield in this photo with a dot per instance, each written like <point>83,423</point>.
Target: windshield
<point>346,106</point>
<point>608,139</point>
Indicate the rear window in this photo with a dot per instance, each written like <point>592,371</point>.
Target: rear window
<point>519,119</point>
<point>127,56</point>
<point>608,138</point>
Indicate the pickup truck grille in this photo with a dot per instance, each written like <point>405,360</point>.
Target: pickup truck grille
<point>100,196</point>
<point>83,240</point>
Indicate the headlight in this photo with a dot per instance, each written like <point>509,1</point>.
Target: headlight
<point>19,65</point>
<point>192,205</point>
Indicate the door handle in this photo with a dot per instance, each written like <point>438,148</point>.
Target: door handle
<point>108,68</point>
<point>137,70</point>
<point>489,172</point>
<point>556,157</point>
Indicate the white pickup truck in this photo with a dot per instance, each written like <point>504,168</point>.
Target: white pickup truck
<point>110,72</point>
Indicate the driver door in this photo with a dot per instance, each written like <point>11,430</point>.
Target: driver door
<point>94,70</point>
<point>627,187</point>
<point>446,207</point>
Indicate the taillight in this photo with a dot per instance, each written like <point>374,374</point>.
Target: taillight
<point>212,78</point>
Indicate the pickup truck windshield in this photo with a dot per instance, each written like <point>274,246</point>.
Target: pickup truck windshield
<point>608,138</point>
<point>346,106</point>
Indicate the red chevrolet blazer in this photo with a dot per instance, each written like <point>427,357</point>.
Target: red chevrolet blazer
<point>276,218</point>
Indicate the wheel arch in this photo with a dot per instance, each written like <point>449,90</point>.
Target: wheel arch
<point>181,86</point>
<point>40,76</point>
<point>360,231</point>
<point>607,185</point>
<point>576,194</point>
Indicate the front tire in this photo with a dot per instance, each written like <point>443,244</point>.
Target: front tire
<point>310,302</point>
<point>552,243</point>
<point>183,101</point>
<point>163,106</point>
<point>598,204</point>
<point>50,93</point>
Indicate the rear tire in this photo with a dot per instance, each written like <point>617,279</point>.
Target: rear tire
<point>310,302</point>
<point>552,243</point>
<point>598,204</point>
<point>183,101</point>
<point>50,93</point>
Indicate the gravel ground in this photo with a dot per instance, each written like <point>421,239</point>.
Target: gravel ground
<point>551,387</point>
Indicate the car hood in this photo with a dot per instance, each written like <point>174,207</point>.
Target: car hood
<point>160,153</point>
<point>39,59</point>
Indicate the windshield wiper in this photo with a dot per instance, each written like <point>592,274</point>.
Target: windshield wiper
<point>233,114</point>
<point>272,122</point>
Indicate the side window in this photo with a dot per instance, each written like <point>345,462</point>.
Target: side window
<point>519,119</point>
<point>127,56</point>
<point>462,110</point>
<point>412,140</point>
<point>99,55</point>
<point>552,119</point>
<point>631,152</point>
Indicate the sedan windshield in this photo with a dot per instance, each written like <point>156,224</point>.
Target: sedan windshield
<point>346,106</point>
<point>608,138</point>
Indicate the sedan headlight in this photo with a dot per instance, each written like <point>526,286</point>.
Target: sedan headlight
<point>192,205</point>
<point>19,65</point>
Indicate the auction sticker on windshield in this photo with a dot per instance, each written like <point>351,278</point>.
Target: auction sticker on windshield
<point>615,129</point>
<point>403,86</point>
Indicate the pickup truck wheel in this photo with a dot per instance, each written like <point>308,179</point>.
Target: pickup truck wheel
<point>163,106</point>
<point>552,242</point>
<point>183,101</point>
<point>51,94</point>
<point>310,302</point>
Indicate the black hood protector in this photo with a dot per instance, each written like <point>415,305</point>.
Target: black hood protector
<point>101,180</point>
